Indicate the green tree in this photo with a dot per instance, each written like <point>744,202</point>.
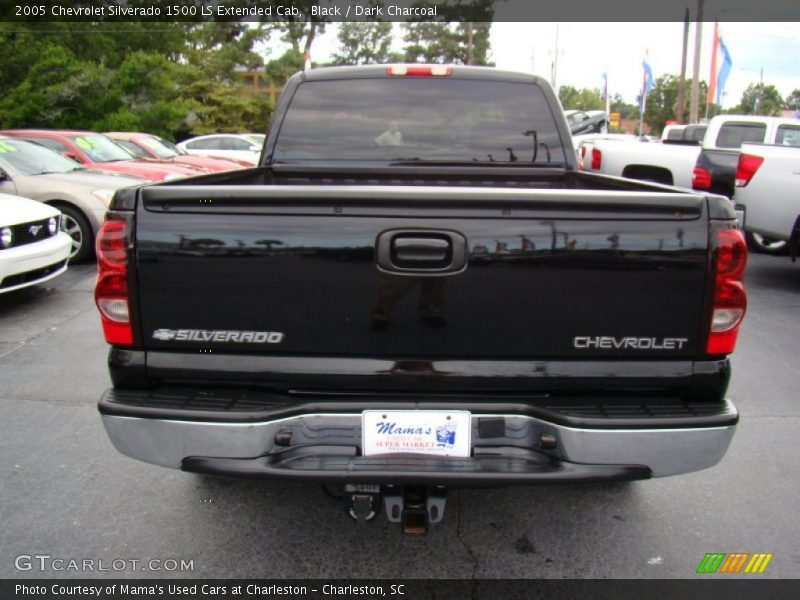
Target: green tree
<point>221,49</point>
<point>580,99</point>
<point>146,87</point>
<point>793,100</point>
<point>100,43</point>
<point>166,78</point>
<point>436,42</point>
<point>625,109</point>
<point>59,91</point>
<point>278,70</point>
<point>211,83</point>
<point>365,43</point>
<point>760,99</point>
<point>662,102</point>
<point>220,106</point>
<point>224,108</point>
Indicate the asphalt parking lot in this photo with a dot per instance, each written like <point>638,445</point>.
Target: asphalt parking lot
<point>66,492</point>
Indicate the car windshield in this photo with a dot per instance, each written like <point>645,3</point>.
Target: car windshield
<point>158,147</point>
<point>419,119</point>
<point>170,146</point>
<point>99,148</point>
<point>133,148</point>
<point>29,158</point>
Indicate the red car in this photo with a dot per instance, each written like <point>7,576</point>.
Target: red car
<point>96,151</point>
<point>149,146</point>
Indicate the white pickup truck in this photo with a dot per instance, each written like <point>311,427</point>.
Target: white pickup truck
<point>674,162</point>
<point>767,192</point>
<point>670,163</point>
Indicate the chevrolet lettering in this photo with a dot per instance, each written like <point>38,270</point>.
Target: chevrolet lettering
<point>402,300</point>
<point>629,343</point>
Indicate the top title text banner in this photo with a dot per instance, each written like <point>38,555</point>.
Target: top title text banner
<point>396,10</point>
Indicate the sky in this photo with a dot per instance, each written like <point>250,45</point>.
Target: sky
<point>586,50</point>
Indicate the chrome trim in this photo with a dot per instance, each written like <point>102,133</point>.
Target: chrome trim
<point>665,451</point>
<point>474,369</point>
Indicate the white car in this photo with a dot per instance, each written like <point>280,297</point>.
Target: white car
<point>240,146</point>
<point>33,248</point>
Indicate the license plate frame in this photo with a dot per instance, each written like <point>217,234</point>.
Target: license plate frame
<point>445,433</point>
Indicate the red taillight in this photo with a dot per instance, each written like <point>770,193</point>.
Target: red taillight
<point>747,167</point>
<point>701,178</point>
<point>597,159</point>
<point>111,246</point>
<point>419,70</point>
<point>111,289</point>
<point>730,300</point>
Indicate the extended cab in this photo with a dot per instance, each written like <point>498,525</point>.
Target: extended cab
<point>417,289</point>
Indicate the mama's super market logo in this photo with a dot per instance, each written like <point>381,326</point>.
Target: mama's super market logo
<point>734,563</point>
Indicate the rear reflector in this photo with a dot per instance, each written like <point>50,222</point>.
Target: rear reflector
<point>597,159</point>
<point>419,70</point>
<point>701,178</point>
<point>111,289</point>
<point>730,300</point>
<point>747,167</point>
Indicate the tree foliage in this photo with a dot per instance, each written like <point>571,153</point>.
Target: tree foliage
<point>434,42</point>
<point>760,99</point>
<point>580,99</point>
<point>625,109</point>
<point>793,100</point>
<point>662,102</point>
<point>362,43</point>
<point>165,78</point>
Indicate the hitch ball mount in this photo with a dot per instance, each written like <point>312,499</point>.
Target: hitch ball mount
<point>415,506</point>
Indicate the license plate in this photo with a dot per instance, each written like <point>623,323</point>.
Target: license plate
<point>433,432</point>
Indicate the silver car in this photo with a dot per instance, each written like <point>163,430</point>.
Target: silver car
<point>82,195</point>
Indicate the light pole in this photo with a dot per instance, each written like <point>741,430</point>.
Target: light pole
<point>554,64</point>
<point>694,101</point>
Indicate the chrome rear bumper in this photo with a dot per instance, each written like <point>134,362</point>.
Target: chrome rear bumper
<point>325,446</point>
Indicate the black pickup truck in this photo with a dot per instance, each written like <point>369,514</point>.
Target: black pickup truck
<point>417,289</point>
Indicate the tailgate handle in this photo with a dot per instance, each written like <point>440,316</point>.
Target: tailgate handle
<point>421,252</point>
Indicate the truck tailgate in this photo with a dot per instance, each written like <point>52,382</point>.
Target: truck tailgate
<point>379,272</point>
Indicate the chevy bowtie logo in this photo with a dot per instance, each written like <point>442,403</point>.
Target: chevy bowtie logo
<point>163,335</point>
<point>35,229</point>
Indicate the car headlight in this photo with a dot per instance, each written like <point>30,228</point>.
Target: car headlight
<point>52,225</point>
<point>104,195</point>
<point>172,176</point>
<point>6,237</point>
